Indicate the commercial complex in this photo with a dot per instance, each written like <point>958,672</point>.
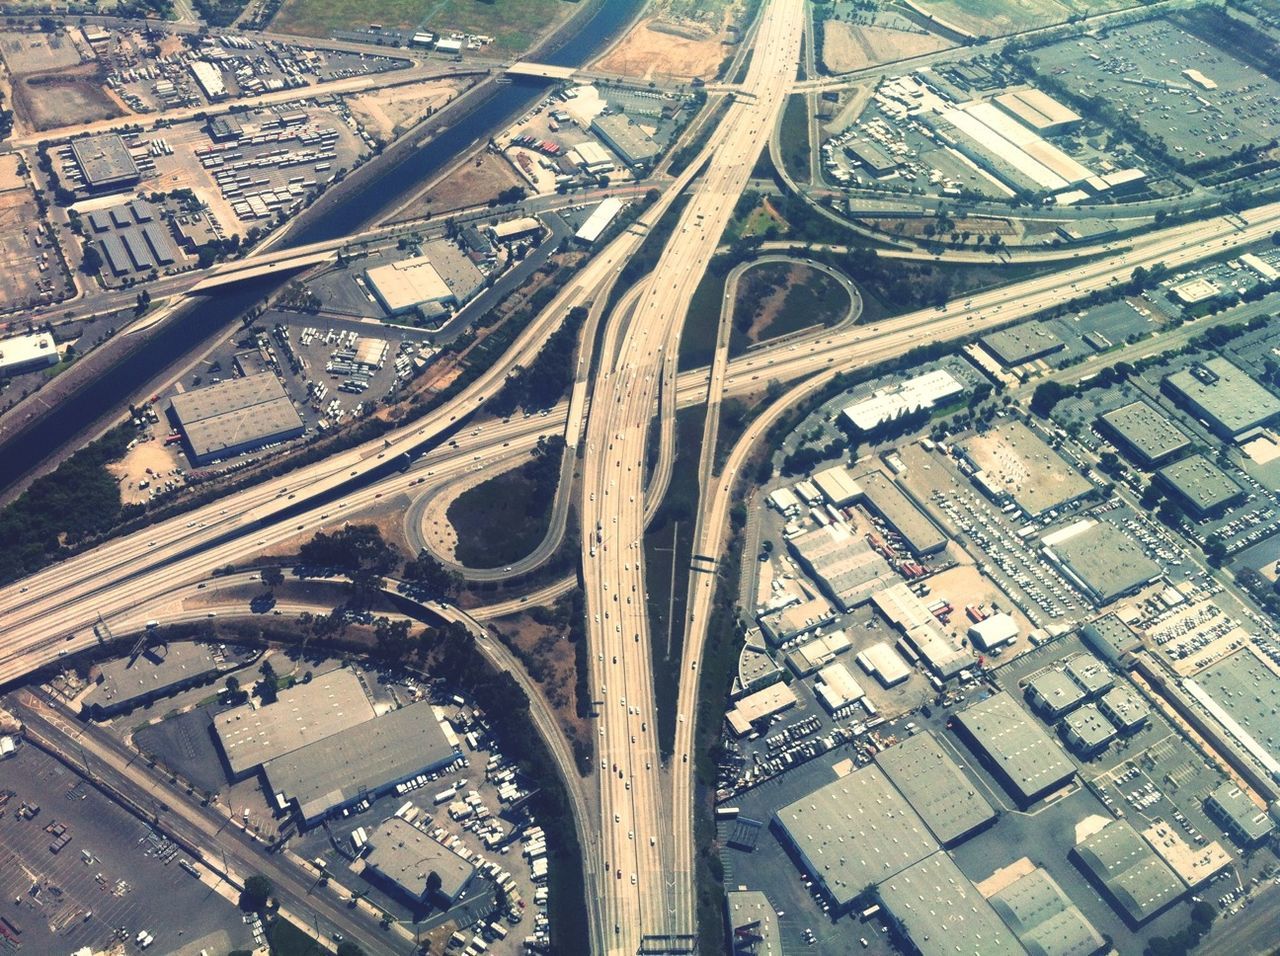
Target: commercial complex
<point>1018,751</point>
<point>1087,730</point>
<point>364,760</point>
<point>633,145</point>
<point>407,858</point>
<point>1145,436</point>
<point>235,416</point>
<point>1243,820</point>
<point>1043,917</point>
<point>104,162</point>
<point>1020,344</point>
<point>1138,883</point>
<point>26,353</point>
<point>853,832</point>
<point>1101,560</point>
<point>1233,404</point>
<point>940,913</point>
<point>1125,709</point>
<point>1053,693</point>
<point>936,787</point>
<point>1200,486</point>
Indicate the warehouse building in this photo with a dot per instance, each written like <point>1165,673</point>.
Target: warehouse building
<point>1241,818</point>
<point>633,145</point>
<point>756,669</point>
<point>1145,436</point>
<point>1235,406</point>
<point>902,608</point>
<point>1101,560</point>
<point>893,402</point>
<point>252,734</point>
<point>1011,462</point>
<point>1052,693</point>
<point>209,78</point>
<point>753,924</point>
<point>871,157</point>
<point>1044,919</point>
<point>1200,486</point>
<point>405,858</point>
<point>509,230</point>
<point>1020,344</point>
<point>993,631</point>
<point>1125,709</point>
<point>838,486</point>
<point>600,219</point>
<point>105,162</point>
<point>1135,880</point>
<point>364,760</point>
<point>836,688</point>
<point>1015,748</point>
<point>1038,111</point>
<point>845,565</point>
<point>26,353</point>
<point>1087,732</point>
<point>886,500</point>
<point>938,912</point>
<point>783,624</point>
<point>442,275</point>
<point>759,705</point>
<point>812,655</point>
<point>937,789</point>
<point>1112,639</point>
<point>591,157</point>
<point>884,663</point>
<point>235,416</point>
<point>129,682</point>
<point>853,832</point>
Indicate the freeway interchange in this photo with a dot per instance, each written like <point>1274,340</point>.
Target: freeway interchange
<point>640,854</point>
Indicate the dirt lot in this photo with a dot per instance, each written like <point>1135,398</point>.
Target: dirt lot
<point>388,113</point>
<point>143,462</point>
<point>64,98</point>
<point>658,48</point>
<point>847,47</point>
<point>37,52</point>
<point>477,181</point>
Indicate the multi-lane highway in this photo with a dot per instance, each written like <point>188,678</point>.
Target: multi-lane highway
<point>636,895</point>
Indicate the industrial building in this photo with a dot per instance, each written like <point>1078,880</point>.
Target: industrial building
<point>844,564</point>
<point>1112,639</point>
<point>1038,111</point>
<point>838,486</point>
<point>509,230</point>
<point>591,157</point>
<point>105,162</point>
<point>1012,463</point>
<point>405,857</point>
<point>26,353</point>
<point>129,682</point>
<point>783,624</point>
<point>937,789</point>
<point>758,705</point>
<point>940,913</point>
<point>131,238</point>
<point>993,631</point>
<point>1017,750</point>
<point>1101,560</point>
<point>1052,693</point>
<point>1090,675</point>
<point>1087,731</point>
<point>756,669</point>
<point>1200,486</point>
<point>1242,819</point>
<point>1125,709</point>
<point>871,157</point>
<point>887,501</point>
<point>442,275</point>
<point>633,145</point>
<point>902,608</point>
<point>1145,436</point>
<point>893,402</point>
<point>358,761</point>
<point>1020,344</point>
<point>884,663</point>
<point>209,78</point>
<point>753,924</point>
<point>853,832</point>
<point>1137,882</point>
<point>1235,406</point>
<point>836,688</point>
<point>812,655</point>
<point>252,734</point>
<point>600,219</point>
<point>1044,919</point>
<point>235,416</point>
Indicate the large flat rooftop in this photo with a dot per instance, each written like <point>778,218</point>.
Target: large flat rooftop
<point>1044,918</point>
<point>935,786</point>
<point>1138,881</point>
<point>943,914</point>
<point>1145,433</point>
<point>1232,401</point>
<point>1105,561</point>
<point>1025,756</point>
<point>1016,461</point>
<point>235,415</point>
<point>406,856</point>
<point>1200,484</point>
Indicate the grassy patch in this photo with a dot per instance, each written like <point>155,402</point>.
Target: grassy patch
<point>795,138</point>
<point>801,298</point>
<point>698,337</point>
<point>503,519</point>
<point>285,939</point>
<point>514,24</point>
<point>668,545</point>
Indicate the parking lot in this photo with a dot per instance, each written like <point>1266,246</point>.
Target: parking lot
<point>111,880</point>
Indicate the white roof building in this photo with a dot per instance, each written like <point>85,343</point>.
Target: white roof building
<point>209,78</point>
<point>993,631</point>
<point>837,688</point>
<point>838,486</point>
<point>757,706</point>
<point>403,285</point>
<point>884,663</point>
<point>889,404</point>
<point>599,220</point>
<point>26,352</point>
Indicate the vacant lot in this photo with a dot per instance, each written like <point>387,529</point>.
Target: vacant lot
<point>514,24</point>
<point>24,246</point>
<point>481,178</point>
<point>847,46</point>
<point>998,17</point>
<point>658,48</point>
<point>37,52</point>
<point>64,98</point>
<point>388,113</point>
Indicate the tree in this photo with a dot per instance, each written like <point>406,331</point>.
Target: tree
<point>348,948</point>
<point>257,890</point>
<point>430,577</point>
<point>272,577</point>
